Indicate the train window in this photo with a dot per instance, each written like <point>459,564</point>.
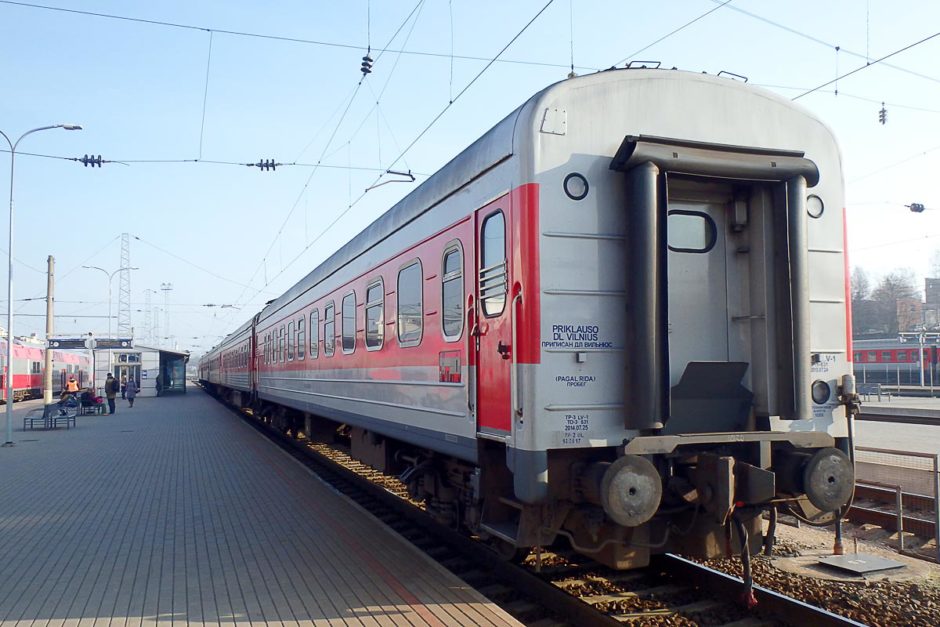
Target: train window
<point>314,333</point>
<point>493,265</point>
<point>872,356</point>
<point>410,305</point>
<point>301,337</point>
<point>885,355</point>
<point>36,367</point>
<point>349,323</point>
<point>858,357</point>
<point>282,345</point>
<point>291,340</point>
<point>902,355</point>
<point>452,293</point>
<point>690,231</point>
<point>329,339</point>
<point>375,315</point>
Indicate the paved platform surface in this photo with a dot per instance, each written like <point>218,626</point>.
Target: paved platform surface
<point>899,436</point>
<point>175,511</point>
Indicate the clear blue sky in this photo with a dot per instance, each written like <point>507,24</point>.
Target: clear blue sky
<point>138,90</point>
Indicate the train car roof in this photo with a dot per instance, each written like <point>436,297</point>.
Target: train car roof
<point>495,146</point>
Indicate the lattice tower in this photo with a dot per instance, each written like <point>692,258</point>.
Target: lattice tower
<point>124,326</point>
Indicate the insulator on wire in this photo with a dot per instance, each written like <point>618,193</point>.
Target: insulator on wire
<point>266,164</point>
<point>366,65</point>
<point>92,160</point>
<point>883,114</point>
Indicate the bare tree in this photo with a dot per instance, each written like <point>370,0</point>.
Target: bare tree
<point>896,286</point>
<point>861,286</point>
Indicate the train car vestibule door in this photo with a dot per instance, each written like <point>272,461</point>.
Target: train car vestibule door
<point>492,332</point>
<point>707,276</point>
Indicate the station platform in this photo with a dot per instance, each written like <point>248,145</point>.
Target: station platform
<point>176,511</point>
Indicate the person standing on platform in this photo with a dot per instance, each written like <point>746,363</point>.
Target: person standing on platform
<point>111,386</point>
<point>130,391</point>
<point>123,385</point>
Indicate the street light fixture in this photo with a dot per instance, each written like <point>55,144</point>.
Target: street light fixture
<point>9,374</point>
<point>110,276</point>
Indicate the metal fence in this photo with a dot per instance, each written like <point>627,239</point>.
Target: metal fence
<point>914,478</point>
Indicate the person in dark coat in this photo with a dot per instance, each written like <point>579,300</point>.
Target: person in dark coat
<point>130,391</point>
<point>111,387</point>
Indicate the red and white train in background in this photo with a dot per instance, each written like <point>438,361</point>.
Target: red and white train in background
<point>28,362</point>
<point>618,317</point>
<point>893,362</point>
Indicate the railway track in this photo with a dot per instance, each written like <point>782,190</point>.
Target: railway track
<point>559,589</point>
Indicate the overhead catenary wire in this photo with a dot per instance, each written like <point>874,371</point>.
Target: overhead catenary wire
<point>413,142</point>
<point>917,155</point>
<point>282,38</point>
<point>303,191</point>
<point>822,42</point>
<point>187,261</point>
<point>868,65</point>
<point>205,96</point>
<point>667,35</point>
<point>328,166</point>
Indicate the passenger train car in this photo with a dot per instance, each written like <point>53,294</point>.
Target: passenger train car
<point>618,318</point>
<point>894,362</point>
<point>28,364</point>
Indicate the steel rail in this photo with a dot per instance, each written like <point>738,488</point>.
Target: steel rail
<point>790,610</point>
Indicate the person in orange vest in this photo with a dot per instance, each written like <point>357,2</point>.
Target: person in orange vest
<point>71,386</point>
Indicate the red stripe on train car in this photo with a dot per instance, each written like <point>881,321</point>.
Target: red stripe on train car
<point>848,287</point>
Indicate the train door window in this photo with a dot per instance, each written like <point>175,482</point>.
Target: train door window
<point>314,333</point>
<point>452,293</point>
<point>375,315</point>
<point>493,283</point>
<point>349,323</point>
<point>410,305</point>
<point>329,339</point>
<point>291,337</point>
<point>301,337</point>
<point>691,231</point>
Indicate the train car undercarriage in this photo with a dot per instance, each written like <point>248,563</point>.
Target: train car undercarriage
<point>616,507</point>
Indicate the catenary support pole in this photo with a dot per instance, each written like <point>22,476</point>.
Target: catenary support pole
<point>50,302</point>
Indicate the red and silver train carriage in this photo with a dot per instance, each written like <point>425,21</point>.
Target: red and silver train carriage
<point>619,317</point>
<point>895,362</point>
<point>28,362</point>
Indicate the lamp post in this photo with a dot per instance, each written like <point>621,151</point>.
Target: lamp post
<point>9,374</point>
<point>110,276</point>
